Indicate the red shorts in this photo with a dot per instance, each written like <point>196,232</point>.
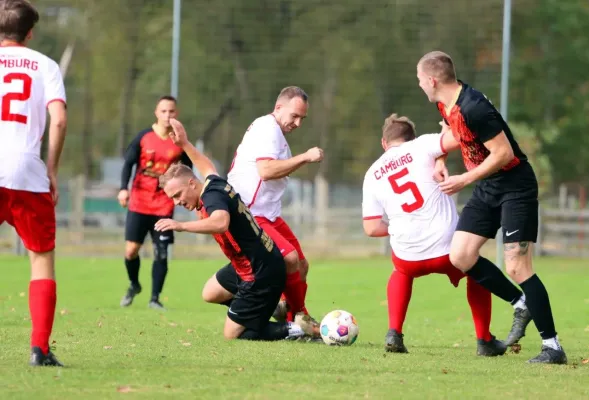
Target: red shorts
<point>280,233</point>
<point>32,215</point>
<point>438,265</point>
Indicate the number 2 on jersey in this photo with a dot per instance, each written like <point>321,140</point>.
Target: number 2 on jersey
<point>23,95</point>
<point>407,186</point>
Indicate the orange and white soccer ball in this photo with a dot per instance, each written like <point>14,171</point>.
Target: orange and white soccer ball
<point>339,328</point>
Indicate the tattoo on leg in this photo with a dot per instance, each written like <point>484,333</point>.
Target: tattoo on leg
<point>522,250</point>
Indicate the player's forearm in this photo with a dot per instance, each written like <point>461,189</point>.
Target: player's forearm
<point>199,160</point>
<point>276,169</point>
<point>493,163</point>
<point>57,132</point>
<point>380,230</point>
<point>204,226</point>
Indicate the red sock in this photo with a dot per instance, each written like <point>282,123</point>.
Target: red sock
<point>42,299</point>
<point>479,300</point>
<point>398,295</point>
<point>295,292</point>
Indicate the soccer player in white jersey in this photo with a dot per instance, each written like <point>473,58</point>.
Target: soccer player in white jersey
<point>31,84</point>
<point>259,173</point>
<point>400,186</point>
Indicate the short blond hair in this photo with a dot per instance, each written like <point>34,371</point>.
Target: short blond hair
<point>290,92</point>
<point>395,128</point>
<point>439,65</point>
<point>177,170</point>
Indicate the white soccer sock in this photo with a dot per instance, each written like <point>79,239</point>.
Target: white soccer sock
<point>552,343</point>
<point>295,330</point>
<point>521,303</point>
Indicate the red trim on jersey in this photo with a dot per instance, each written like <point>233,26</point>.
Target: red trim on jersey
<point>51,101</point>
<point>442,144</point>
<point>372,217</point>
<point>264,158</point>
<point>255,193</point>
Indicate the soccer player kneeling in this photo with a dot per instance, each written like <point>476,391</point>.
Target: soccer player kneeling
<point>257,267</point>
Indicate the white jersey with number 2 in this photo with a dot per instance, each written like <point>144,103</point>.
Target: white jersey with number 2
<point>29,81</point>
<point>400,185</point>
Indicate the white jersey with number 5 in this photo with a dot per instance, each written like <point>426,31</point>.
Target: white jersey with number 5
<point>400,185</point>
<point>29,81</point>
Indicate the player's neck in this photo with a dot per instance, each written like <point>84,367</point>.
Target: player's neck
<point>392,144</point>
<point>161,131</point>
<point>449,96</point>
<point>11,43</point>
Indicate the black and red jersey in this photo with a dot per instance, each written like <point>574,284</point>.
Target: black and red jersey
<point>245,244</point>
<point>474,120</point>
<point>152,155</point>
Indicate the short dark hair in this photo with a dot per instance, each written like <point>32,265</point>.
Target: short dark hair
<point>439,65</point>
<point>290,92</point>
<point>17,18</point>
<point>396,127</point>
<point>168,98</point>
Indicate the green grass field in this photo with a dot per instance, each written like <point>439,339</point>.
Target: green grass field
<point>140,353</point>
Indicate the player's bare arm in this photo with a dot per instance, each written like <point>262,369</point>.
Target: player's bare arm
<point>449,143</point>
<point>57,132</point>
<point>202,163</point>
<point>276,169</point>
<point>375,227</point>
<point>217,222</point>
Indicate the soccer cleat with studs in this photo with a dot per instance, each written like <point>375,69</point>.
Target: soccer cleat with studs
<point>133,291</point>
<point>521,319</point>
<point>394,342</point>
<point>39,359</point>
<point>491,348</point>
<point>548,355</point>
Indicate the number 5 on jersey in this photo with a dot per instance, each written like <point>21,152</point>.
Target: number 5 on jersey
<point>404,187</point>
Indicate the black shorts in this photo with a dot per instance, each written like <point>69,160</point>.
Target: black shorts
<point>138,225</point>
<point>485,213</point>
<point>254,302</point>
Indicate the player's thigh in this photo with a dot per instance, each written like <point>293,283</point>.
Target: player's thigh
<point>478,223</point>
<point>287,250</point>
<point>157,237</point>
<point>137,226</point>
<point>519,219</point>
<point>232,329</point>
<point>33,217</point>
<point>222,286</point>
<point>282,227</point>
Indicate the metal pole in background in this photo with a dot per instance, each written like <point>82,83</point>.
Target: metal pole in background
<point>504,96</point>
<point>175,48</point>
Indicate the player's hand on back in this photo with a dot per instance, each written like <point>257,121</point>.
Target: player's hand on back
<point>167,224</point>
<point>123,197</point>
<point>314,155</point>
<point>178,134</point>
<point>440,170</point>
<point>53,188</point>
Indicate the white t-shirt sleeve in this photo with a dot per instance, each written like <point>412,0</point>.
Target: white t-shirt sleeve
<point>267,139</point>
<point>371,207</point>
<point>431,143</point>
<point>54,88</point>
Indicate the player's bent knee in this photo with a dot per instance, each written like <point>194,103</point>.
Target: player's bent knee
<point>292,262</point>
<point>463,259</point>
<point>213,292</point>
<point>518,261</point>
<point>304,268</point>
<point>132,250</point>
<point>232,329</point>
<point>160,251</point>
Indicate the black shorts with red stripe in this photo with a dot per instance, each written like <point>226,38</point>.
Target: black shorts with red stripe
<point>257,272</point>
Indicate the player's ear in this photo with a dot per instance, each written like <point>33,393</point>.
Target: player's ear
<point>383,144</point>
<point>29,35</point>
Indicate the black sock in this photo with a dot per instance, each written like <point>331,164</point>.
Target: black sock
<point>133,270</point>
<point>158,275</point>
<point>273,331</point>
<point>486,274</point>
<point>538,303</point>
